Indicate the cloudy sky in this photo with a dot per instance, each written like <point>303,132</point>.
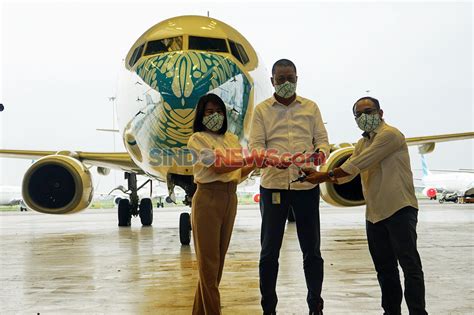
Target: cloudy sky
<point>60,62</point>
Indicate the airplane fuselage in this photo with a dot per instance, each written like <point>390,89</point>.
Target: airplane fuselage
<point>166,71</point>
<point>454,182</point>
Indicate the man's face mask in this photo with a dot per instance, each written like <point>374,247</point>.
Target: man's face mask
<point>368,122</point>
<point>214,121</point>
<point>285,90</point>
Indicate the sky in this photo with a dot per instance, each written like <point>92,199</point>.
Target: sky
<point>60,63</point>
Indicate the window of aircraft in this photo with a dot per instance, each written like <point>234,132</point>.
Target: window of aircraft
<point>238,52</point>
<point>207,44</point>
<point>164,45</point>
<point>137,53</point>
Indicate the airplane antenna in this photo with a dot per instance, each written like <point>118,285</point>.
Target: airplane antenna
<point>112,99</point>
<point>207,13</point>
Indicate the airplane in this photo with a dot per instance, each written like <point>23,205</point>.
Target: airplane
<point>460,183</point>
<point>250,186</point>
<point>11,196</point>
<point>165,73</point>
<point>157,192</point>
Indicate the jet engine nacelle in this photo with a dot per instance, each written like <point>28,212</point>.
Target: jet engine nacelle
<point>344,195</point>
<point>256,198</point>
<point>430,192</point>
<point>57,184</point>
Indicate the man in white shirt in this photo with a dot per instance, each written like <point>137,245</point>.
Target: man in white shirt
<point>287,124</point>
<point>381,158</point>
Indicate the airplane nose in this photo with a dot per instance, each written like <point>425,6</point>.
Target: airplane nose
<point>181,78</point>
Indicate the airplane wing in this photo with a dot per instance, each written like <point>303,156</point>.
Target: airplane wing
<point>122,160</point>
<point>112,160</point>
<point>439,138</point>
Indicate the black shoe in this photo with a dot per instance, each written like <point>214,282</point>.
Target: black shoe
<point>269,313</point>
<point>315,312</point>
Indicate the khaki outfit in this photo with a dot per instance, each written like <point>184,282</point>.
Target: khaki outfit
<point>214,207</point>
<point>213,215</point>
<point>383,162</point>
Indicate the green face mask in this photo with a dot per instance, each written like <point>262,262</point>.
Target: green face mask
<point>213,122</point>
<point>285,90</point>
<point>368,122</point>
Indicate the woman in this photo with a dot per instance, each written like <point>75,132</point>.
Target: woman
<point>214,205</point>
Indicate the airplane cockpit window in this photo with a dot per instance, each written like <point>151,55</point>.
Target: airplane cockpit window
<point>137,53</point>
<point>243,54</point>
<point>164,45</point>
<point>238,52</point>
<point>207,44</point>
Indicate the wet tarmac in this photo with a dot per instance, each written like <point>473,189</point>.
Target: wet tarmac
<point>85,264</point>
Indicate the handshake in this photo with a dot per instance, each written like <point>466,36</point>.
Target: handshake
<point>268,158</point>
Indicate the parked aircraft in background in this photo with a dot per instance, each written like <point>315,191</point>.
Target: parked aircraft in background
<point>11,196</point>
<point>250,186</point>
<point>165,73</point>
<point>460,183</point>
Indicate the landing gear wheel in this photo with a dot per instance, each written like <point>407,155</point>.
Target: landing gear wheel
<point>185,228</point>
<point>146,211</point>
<point>291,215</point>
<point>124,215</point>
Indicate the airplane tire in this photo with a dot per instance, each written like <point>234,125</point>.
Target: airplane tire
<point>185,228</point>
<point>124,215</point>
<point>146,211</point>
<point>291,215</point>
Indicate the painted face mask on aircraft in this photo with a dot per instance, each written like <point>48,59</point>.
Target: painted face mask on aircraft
<point>214,121</point>
<point>286,89</point>
<point>368,122</point>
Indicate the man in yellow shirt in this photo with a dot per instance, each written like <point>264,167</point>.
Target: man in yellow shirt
<point>381,158</point>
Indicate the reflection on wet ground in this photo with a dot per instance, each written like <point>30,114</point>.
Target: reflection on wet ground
<point>84,263</point>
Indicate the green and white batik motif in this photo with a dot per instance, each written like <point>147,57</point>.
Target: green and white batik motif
<point>368,122</point>
<point>214,121</point>
<point>285,90</point>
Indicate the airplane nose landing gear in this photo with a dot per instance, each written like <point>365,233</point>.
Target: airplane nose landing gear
<point>185,228</point>
<point>124,214</point>
<point>127,208</point>
<point>146,211</point>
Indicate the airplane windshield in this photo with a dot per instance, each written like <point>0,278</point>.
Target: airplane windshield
<point>164,45</point>
<point>207,44</point>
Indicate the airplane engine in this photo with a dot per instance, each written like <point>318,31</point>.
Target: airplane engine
<point>57,184</point>
<point>344,195</point>
<point>256,197</point>
<point>430,192</point>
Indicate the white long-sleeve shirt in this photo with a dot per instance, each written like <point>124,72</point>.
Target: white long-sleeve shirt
<point>291,129</point>
<point>384,166</point>
<point>203,144</point>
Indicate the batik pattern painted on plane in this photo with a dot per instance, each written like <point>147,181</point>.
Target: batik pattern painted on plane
<point>181,78</point>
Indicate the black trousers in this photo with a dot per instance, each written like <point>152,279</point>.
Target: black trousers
<point>305,204</point>
<point>391,241</point>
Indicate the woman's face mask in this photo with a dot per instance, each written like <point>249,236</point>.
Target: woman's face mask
<point>214,121</point>
<point>285,90</point>
<point>368,122</point>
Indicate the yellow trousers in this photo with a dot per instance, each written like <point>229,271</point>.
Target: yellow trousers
<point>213,213</point>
